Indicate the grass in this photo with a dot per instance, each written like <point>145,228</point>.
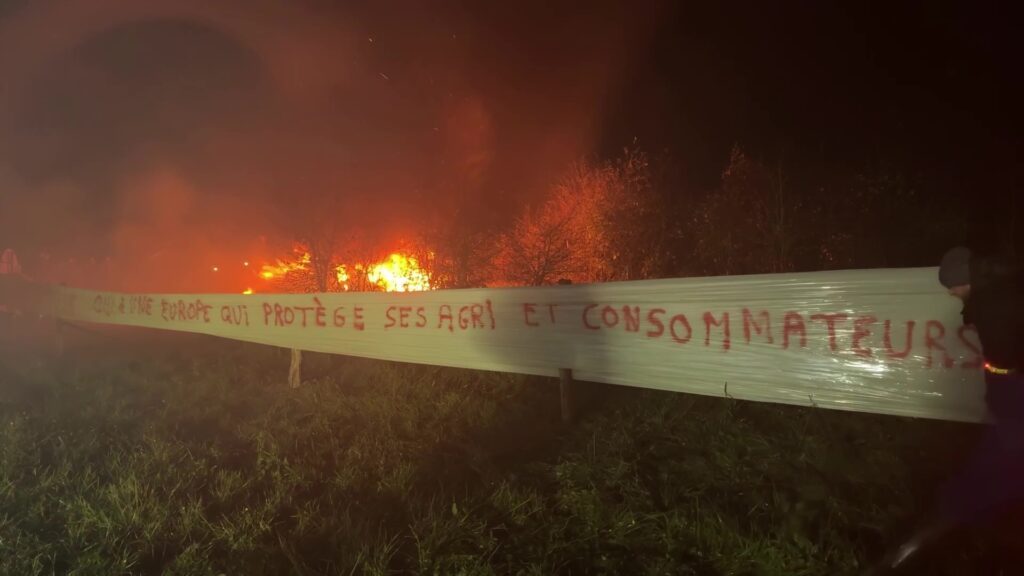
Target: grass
<point>197,459</point>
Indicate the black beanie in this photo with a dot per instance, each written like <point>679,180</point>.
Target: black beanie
<point>955,269</point>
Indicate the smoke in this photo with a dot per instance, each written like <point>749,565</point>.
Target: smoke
<point>151,140</point>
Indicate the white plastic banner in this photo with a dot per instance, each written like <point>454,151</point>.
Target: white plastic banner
<point>886,341</point>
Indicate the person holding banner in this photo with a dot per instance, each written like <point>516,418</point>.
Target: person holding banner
<point>991,290</point>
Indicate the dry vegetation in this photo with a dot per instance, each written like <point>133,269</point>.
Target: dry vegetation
<point>192,457</point>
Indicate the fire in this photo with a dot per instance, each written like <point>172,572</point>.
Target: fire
<point>343,277</point>
<point>399,274</point>
<point>271,271</point>
<point>247,291</point>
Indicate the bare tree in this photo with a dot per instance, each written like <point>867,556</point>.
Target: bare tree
<point>540,247</point>
<point>316,231</point>
<point>749,224</point>
<point>458,252</point>
<point>601,222</point>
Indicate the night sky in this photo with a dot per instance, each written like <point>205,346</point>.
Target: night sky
<point>927,86</point>
<point>129,128</point>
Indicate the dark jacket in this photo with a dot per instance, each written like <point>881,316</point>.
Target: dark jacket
<point>996,309</point>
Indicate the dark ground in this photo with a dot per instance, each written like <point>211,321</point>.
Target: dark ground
<point>143,452</point>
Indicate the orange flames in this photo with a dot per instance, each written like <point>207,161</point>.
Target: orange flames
<point>271,271</point>
<point>397,273</point>
<point>343,277</point>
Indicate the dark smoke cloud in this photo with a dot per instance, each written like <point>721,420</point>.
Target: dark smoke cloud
<point>159,138</point>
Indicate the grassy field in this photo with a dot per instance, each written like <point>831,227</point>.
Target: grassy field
<point>191,456</point>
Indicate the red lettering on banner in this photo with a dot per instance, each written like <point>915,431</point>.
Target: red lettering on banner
<point>476,314</point>
<point>830,321</point>
<point>467,317</point>
<point>490,312</point>
<point>586,322</point>
<point>655,322</point>
<point>234,315</point>
<point>321,313</point>
<point>237,315</point>
<point>99,308</point>
<point>860,332</point>
<point>709,319</point>
<point>614,318</point>
<point>653,318</point>
<point>889,351</point>
<point>305,314</point>
<point>181,311</point>
<point>975,349</point>
<point>528,311</point>
<point>793,323</point>
<point>140,304</point>
<point>632,316</point>
<point>680,319</point>
<point>295,310</point>
<point>404,313</point>
<point>933,334</point>
<point>445,313</point>
<point>749,322</point>
<point>339,319</point>
<point>283,316</point>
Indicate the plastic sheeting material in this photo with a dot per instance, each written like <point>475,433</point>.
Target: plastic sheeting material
<point>885,341</point>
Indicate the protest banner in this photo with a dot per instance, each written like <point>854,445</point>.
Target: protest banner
<point>885,341</point>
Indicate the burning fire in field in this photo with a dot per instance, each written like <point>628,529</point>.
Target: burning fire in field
<point>397,273</point>
<point>343,278</point>
<point>270,271</point>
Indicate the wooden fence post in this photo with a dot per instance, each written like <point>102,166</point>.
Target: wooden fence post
<point>565,386</point>
<point>565,381</point>
<point>295,370</point>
